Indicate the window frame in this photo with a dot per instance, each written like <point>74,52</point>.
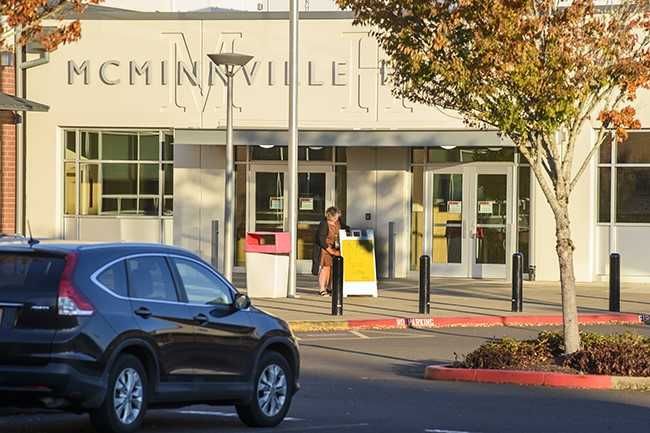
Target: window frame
<point>613,166</point>
<point>181,295</point>
<point>161,197</point>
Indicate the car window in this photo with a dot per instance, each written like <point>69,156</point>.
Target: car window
<point>114,279</point>
<point>25,277</point>
<point>201,285</point>
<point>150,278</point>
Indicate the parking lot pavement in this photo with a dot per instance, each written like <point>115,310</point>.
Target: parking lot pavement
<point>371,381</point>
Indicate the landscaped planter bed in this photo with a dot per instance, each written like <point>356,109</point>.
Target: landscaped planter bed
<point>604,362</point>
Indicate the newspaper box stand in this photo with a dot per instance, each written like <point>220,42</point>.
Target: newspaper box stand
<point>267,264</point>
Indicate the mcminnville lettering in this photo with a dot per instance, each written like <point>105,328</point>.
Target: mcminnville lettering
<point>134,72</point>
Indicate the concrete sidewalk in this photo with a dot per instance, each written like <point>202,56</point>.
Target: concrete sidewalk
<point>450,298</point>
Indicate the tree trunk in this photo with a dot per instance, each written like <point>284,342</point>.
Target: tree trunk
<point>564,250</point>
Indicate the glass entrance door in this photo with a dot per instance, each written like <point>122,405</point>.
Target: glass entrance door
<point>492,223</point>
<point>269,207</point>
<point>448,237</point>
<point>470,208</point>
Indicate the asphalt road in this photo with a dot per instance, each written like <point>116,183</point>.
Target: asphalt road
<point>371,381</point>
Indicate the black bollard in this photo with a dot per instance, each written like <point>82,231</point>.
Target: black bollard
<point>517,282</point>
<point>615,282</point>
<point>337,286</point>
<point>425,285</point>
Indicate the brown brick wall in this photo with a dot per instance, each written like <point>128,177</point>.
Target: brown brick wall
<point>7,156</point>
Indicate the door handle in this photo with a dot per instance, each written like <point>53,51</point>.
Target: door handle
<point>201,318</point>
<point>143,312</point>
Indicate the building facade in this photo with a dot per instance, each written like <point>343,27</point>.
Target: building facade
<point>133,149</point>
<point>214,5</point>
<point>8,121</point>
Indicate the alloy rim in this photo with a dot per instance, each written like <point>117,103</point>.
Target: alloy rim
<point>128,396</point>
<point>272,390</point>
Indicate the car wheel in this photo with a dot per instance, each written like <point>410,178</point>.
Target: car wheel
<point>272,393</point>
<point>126,398</point>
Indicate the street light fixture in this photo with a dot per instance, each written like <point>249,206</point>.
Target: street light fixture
<point>232,62</point>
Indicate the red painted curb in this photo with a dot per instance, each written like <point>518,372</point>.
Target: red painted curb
<point>469,321</point>
<point>475,321</point>
<point>517,377</point>
<point>397,323</point>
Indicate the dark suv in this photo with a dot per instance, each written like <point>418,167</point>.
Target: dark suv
<point>115,329</point>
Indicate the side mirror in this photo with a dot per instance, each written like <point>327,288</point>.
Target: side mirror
<point>242,302</point>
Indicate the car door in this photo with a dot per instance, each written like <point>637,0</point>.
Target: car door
<point>224,335</point>
<point>162,315</point>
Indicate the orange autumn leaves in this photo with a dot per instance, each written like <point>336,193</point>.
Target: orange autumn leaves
<point>28,15</point>
<point>526,67</point>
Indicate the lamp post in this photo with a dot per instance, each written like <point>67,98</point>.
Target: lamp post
<point>232,62</point>
<point>293,143</point>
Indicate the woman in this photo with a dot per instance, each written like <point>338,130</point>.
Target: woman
<point>326,246</point>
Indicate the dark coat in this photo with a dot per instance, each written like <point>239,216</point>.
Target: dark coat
<point>320,243</point>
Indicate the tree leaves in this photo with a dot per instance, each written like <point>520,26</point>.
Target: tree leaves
<point>27,16</point>
<point>526,67</point>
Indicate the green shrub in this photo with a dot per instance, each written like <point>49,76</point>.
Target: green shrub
<point>619,355</point>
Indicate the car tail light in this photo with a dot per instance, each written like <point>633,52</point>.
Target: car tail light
<point>71,302</point>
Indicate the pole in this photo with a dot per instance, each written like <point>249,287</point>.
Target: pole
<point>215,244</point>
<point>615,282</point>
<point>21,137</point>
<point>391,250</point>
<point>517,282</point>
<point>337,286</point>
<point>229,208</point>
<point>425,285</point>
<point>293,145</point>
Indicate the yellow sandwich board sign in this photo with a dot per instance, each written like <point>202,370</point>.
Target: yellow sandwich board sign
<point>359,273</point>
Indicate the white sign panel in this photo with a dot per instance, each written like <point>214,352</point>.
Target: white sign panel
<point>486,207</point>
<point>455,206</point>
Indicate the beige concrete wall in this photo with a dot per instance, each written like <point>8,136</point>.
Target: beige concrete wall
<point>582,211</point>
<point>198,197</point>
<point>378,183</point>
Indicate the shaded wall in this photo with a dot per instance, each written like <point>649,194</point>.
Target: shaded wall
<point>199,183</point>
<point>379,184</point>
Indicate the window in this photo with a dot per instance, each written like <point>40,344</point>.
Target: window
<point>114,279</point>
<point>201,285</point>
<point>120,173</point>
<point>629,171</point>
<point>604,186</point>
<point>417,211</point>
<point>28,277</point>
<point>150,278</point>
<point>90,145</point>
<point>523,214</point>
<point>469,154</point>
<point>633,194</point>
<point>281,153</point>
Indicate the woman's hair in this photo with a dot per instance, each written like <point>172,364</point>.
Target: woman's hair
<point>332,212</point>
